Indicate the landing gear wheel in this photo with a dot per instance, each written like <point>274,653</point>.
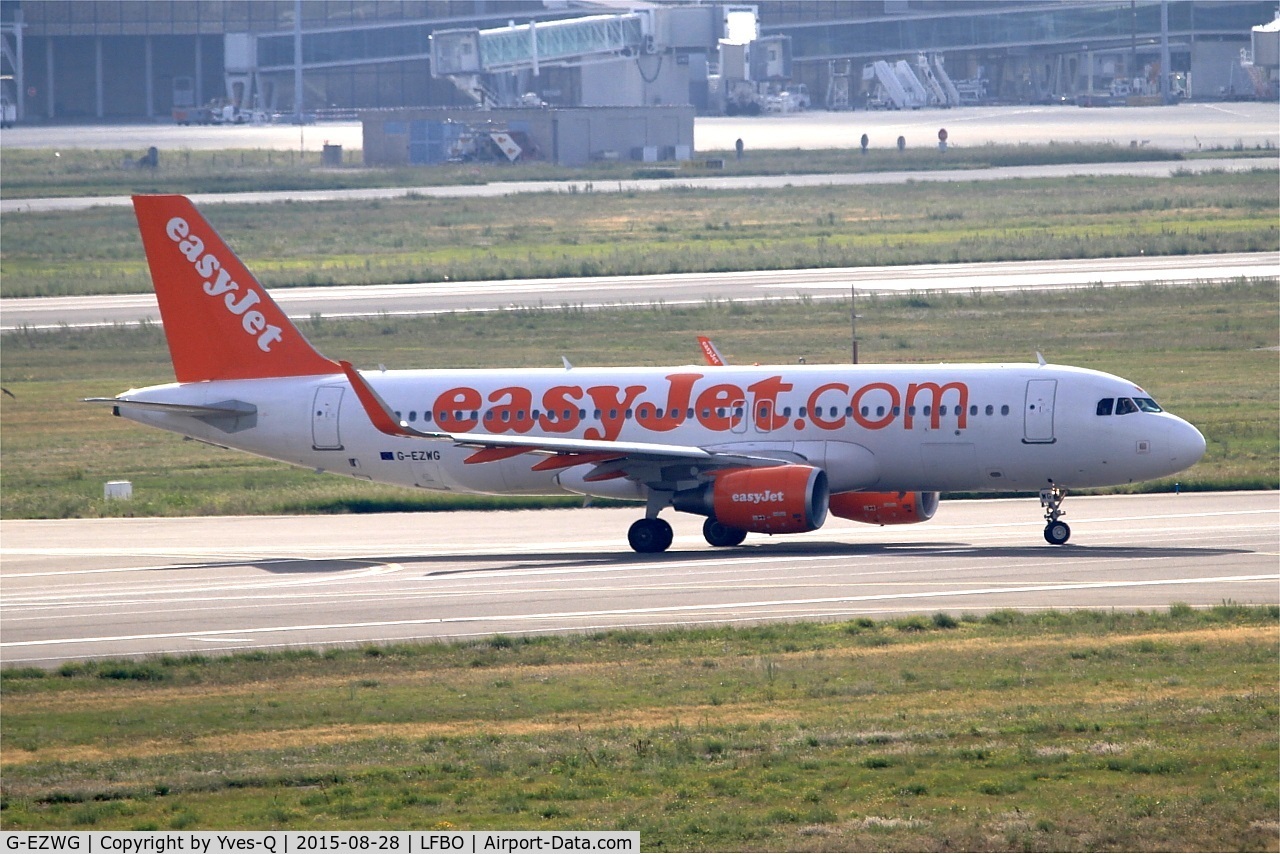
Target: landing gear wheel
<point>1057,533</point>
<point>650,536</point>
<point>721,535</point>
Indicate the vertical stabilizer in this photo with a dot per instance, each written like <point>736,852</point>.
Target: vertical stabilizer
<point>219,321</point>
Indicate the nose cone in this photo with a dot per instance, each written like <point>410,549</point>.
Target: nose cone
<point>1186,444</point>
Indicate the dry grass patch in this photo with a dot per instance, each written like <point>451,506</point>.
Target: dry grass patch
<point>1085,731</point>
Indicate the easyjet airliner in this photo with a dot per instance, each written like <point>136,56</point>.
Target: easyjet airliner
<point>759,449</point>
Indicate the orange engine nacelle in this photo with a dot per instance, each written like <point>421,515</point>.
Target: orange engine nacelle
<point>787,499</point>
<point>885,508</point>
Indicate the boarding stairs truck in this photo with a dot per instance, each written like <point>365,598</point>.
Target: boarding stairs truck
<point>944,79</point>
<point>937,95</point>
<point>888,88</point>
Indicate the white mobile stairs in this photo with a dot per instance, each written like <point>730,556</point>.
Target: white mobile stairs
<point>942,92</point>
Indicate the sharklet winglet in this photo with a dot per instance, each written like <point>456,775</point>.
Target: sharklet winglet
<point>380,413</point>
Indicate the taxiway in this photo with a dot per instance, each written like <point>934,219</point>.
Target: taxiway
<point>668,289</point>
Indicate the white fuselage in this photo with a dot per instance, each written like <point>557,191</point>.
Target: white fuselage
<point>870,427</point>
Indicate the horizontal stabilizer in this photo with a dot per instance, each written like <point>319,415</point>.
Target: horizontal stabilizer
<point>231,407</point>
<point>229,416</point>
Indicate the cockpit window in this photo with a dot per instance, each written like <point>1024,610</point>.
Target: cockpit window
<point>1146,404</point>
<point>1124,406</point>
<point>1104,405</point>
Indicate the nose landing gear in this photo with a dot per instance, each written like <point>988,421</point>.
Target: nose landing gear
<point>1055,532</point>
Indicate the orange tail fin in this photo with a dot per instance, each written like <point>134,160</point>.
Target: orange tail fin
<point>220,322</point>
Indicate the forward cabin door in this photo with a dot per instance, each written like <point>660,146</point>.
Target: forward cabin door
<point>1038,412</point>
<point>324,419</point>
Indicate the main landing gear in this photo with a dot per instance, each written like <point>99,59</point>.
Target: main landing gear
<point>650,536</point>
<point>719,534</point>
<point>653,535</point>
<point>1055,532</point>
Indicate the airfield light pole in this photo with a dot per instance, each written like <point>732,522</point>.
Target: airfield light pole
<point>297,61</point>
<point>853,320</point>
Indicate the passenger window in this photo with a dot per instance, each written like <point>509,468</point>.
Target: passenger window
<point>991,410</point>
<point>1125,406</point>
<point>1004,410</point>
<point>413,416</point>
<point>1104,405</point>
<point>973,410</point>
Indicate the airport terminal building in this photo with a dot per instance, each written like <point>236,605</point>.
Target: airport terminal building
<point>84,60</point>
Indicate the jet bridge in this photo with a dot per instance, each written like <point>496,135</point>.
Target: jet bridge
<point>643,57</point>
<point>527,47</point>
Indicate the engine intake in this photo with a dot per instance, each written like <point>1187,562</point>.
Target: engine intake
<point>786,499</point>
<point>885,508</point>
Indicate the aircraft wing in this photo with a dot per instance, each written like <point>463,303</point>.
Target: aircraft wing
<point>710,352</point>
<point>613,458</point>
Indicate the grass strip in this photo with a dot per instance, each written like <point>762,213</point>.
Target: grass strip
<point>98,251</point>
<point>44,172</point>
<point>1049,731</point>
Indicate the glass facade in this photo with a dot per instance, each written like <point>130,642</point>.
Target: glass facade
<point>374,53</point>
<point>366,44</point>
<point>358,53</point>
<point>144,17</point>
<point>1079,26</point>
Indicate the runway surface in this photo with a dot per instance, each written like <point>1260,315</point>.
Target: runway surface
<point>674,289</point>
<point>1184,127</point>
<point>77,589</point>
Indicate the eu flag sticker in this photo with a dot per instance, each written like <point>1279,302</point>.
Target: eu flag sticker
<point>387,455</point>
